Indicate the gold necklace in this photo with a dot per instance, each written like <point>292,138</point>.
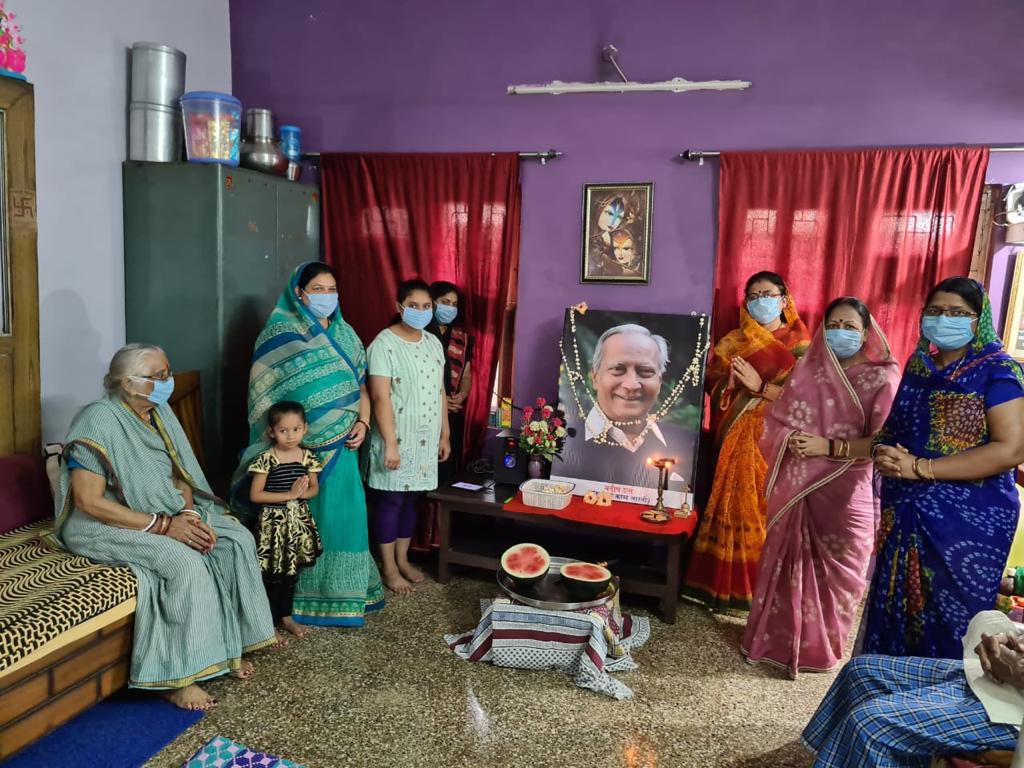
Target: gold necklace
<point>574,375</point>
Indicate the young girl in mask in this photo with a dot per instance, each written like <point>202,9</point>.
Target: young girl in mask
<point>747,371</point>
<point>410,434</point>
<point>821,505</point>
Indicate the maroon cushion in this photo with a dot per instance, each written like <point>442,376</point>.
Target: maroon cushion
<point>24,491</point>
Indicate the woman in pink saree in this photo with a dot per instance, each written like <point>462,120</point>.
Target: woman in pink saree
<point>822,510</point>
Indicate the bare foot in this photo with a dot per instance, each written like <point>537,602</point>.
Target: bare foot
<point>190,697</point>
<point>244,672</point>
<point>396,583</point>
<point>411,572</point>
<point>282,642</point>
<point>291,625</point>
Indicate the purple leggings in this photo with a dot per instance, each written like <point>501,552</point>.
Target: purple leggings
<point>394,515</point>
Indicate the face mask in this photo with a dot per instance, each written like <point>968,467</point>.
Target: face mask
<point>844,343</point>
<point>416,318</point>
<point>446,314</point>
<point>765,310</point>
<point>322,305</point>
<point>162,390</point>
<point>948,333</point>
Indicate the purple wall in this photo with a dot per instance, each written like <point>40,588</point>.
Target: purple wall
<point>431,76</point>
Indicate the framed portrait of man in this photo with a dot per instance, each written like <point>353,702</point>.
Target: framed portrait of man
<point>616,233</point>
<point>631,388</point>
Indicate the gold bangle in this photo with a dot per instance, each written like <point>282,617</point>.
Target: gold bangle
<point>931,470</point>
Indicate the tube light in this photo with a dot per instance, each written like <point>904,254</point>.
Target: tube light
<point>675,85</point>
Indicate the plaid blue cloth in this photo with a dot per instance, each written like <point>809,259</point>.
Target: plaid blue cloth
<point>890,712</point>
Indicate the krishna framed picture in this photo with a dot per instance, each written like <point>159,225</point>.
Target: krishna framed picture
<point>616,233</point>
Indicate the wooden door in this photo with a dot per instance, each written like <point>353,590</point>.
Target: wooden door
<point>19,284</point>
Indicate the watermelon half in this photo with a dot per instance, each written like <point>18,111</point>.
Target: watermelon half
<point>585,580</point>
<point>526,563</point>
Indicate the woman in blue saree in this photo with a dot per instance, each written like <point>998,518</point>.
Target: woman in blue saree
<point>946,455</point>
<point>309,354</point>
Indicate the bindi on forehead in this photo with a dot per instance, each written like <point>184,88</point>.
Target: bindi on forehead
<point>943,300</point>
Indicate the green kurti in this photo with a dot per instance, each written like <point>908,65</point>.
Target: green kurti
<point>416,370</point>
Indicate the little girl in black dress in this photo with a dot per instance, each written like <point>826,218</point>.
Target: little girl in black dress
<point>283,478</point>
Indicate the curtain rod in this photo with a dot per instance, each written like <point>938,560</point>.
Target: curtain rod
<point>699,156</point>
<point>551,154</point>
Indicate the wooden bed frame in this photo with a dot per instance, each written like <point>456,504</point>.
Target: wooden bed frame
<point>38,698</point>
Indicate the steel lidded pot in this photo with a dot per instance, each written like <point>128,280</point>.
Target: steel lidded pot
<point>157,83</point>
<point>157,74</point>
<point>259,150</point>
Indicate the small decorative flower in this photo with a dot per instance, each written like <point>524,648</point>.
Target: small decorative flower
<point>542,432</point>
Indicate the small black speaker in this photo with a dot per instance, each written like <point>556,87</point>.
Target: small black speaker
<point>509,459</point>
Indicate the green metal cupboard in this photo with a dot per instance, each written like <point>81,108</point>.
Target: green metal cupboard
<point>207,251</point>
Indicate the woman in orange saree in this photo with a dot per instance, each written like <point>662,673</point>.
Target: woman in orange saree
<point>747,371</point>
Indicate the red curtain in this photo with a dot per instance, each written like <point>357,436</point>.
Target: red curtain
<point>393,217</point>
<point>883,225</point>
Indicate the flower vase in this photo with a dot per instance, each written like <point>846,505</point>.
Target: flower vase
<point>535,467</point>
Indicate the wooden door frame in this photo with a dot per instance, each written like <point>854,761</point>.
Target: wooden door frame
<point>981,256</point>
<point>17,102</point>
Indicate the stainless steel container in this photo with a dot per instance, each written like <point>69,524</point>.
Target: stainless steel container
<point>154,113</point>
<point>259,123</point>
<point>158,74</point>
<point>154,133</point>
<point>259,150</point>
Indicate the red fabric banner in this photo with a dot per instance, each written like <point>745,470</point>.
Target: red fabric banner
<point>620,514</point>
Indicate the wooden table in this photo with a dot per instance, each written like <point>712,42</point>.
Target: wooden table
<point>636,572</point>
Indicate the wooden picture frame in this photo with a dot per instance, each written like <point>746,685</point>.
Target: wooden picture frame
<point>617,233</point>
<point>1013,329</point>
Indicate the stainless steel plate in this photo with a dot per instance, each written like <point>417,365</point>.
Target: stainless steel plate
<point>551,593</point>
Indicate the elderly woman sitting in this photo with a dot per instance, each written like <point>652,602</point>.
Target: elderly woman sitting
<point>133,494</point>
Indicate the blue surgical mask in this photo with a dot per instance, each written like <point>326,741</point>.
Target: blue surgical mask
<point>843,342</point>
<point>445,313</point>
<point>416,318</point>
<point>765,310</point>
<point>948,333</point>
<point>323,305</point>
<point>162,389</point>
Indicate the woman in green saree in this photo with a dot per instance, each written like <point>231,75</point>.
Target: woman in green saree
<point>309,354</point>
<point>132,494</point>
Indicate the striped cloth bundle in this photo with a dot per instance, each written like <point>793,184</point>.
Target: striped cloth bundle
<point>586,644</point>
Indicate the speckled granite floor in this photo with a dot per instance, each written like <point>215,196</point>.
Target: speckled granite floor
<point>392,694</point>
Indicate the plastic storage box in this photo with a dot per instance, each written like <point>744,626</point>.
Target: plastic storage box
<point>547,494</point>
<point>213,123</point>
